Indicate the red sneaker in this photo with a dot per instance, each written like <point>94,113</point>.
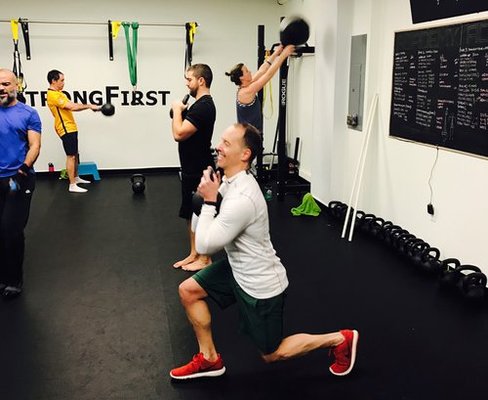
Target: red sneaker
<point>345,353</point>
<point>199,367</point>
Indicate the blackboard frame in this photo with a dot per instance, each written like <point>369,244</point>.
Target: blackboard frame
<point>440,87</point>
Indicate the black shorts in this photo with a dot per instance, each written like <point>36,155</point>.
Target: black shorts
<point>189,184</point>
<point>70,143</point>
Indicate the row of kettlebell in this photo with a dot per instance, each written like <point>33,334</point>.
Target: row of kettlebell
<point>450,272</point>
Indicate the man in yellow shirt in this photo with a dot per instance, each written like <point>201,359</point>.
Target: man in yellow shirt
<point>64,124</point>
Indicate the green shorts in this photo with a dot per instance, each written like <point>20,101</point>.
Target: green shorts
<point>261,319</point>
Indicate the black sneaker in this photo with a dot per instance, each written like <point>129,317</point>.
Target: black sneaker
<point>9,292</point>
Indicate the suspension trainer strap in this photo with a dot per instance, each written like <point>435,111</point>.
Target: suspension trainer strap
<point>14,26</point>
<point>191,29</point>
<point>17,65</point>
<point>113,32</point>
<point>24,24</point>
<point>131,51</point>
<point>110,41</point>
<point>115,28</point>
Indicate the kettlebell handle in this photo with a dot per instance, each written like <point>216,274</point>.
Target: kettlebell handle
<point>427,253</point>
<point>140,176</point>
<point>450,264</point>
<point>468,267</point>
<point>475,278</point>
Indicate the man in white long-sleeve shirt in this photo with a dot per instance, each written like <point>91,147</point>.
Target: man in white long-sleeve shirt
<point>253,276</point>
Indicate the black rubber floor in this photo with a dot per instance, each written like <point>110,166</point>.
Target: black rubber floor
<point>100,317</point>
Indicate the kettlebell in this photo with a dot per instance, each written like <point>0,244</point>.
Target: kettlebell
<point>387,232</point>
<point>462,276</point>
<point>359,218</point>
<point>184,101</point>
<point>377,226</point>
<point>429,260</point>
<point>416,251</point>
<point>394,235</point>
<point>197,203</point>
<point>337,209</point>
<point>402,241</point>
<point>108,109</point>
<point>366,221</point>
<point>294,30</point>
<point>450,275</point>
<point>408,246</point>
<point>473,286</point>
<point>138,183</point>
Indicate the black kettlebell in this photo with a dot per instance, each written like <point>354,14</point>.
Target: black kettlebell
<point>473,286</point>
<point>294,30</point>
<point>377,226</point>
<point>359,218</point>
<point>402,242</point>
<point>184,101</point>
<point>107,109</point>
<point>395,234</point>
<point>197,203</point>
<point>408,245</point>
<point>416,251</point>
<point>365,222</point>
<point>337,209</point>
<point>138,183</point>
<point>450,275</point>
<point>463,268</point>
<point>388,231</point>
<point>429,261</point>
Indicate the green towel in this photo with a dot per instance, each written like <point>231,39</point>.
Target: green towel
<point>63,174</point>
<point>308,207</point>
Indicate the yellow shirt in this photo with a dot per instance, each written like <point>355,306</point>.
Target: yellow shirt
<point>64,121</point>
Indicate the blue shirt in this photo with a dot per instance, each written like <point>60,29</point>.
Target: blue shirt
<point>15,121</point>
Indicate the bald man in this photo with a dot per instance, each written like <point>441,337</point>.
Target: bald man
<point>20,143</point>
<point>252,276</point>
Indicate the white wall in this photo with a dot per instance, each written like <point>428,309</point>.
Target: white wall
<point>460,195</point>
<point>301,91</point>
<point>137,136</point>
<point>395,181</point>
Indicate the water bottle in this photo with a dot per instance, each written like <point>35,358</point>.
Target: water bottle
<point>14,186</point>
<point>50,167</point>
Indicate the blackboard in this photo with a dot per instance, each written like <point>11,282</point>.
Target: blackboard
<point>429,10</point>
<point>440,87</point>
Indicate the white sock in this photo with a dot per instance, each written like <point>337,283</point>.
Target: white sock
<point>79,180</point>
<point>74,188</point>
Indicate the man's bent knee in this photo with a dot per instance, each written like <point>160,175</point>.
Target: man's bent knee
<point>190,291</point>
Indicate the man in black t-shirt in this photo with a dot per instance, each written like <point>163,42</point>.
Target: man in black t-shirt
<point>192,129</point>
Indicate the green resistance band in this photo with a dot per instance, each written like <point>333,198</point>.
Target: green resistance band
<point>131,50</point>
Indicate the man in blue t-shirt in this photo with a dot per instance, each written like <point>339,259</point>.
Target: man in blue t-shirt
<point>20,143</point>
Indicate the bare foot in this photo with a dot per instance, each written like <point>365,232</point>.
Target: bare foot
<point>191,258</point>
<point>200,263</point>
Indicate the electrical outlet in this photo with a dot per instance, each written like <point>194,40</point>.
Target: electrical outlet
<point>430,209</point>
